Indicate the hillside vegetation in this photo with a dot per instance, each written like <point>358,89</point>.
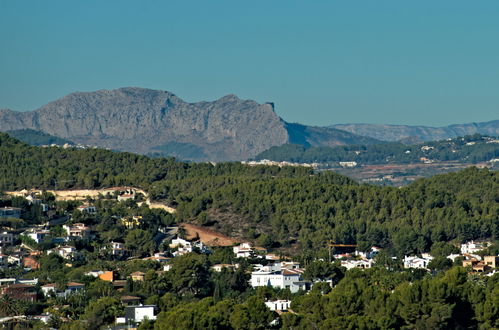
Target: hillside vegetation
<point>468,149</point>
<point>277,207</point>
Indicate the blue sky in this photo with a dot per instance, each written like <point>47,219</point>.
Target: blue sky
<point>322,62</point>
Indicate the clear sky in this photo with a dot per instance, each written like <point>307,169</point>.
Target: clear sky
<point>322,62</point>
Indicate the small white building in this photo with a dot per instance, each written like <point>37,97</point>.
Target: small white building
<point>285,279</point>
<point>87,208</point>
<point>363,263</point>
<point>243,250</point>
<point>417,262</point>
<point>369,254</point>
<point>473,247</point>
<point>77,230</point>
<point>278,305</point>
<point>117,249</point>
<point>37,235</point>
<point>184,246</point>
<point>139,313</point>
<point>66,251</point>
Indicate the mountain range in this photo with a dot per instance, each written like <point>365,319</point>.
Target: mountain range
<point>158,122</point>
<point>416,134</point>
<point>152,121</point>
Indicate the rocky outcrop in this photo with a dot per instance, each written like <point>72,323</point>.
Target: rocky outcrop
<point>144,121</point>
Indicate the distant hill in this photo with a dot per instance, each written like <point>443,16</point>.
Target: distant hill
<point>158,122</point>
<point>468,149</point>
<point>414,134</point>
<point>37,138</point>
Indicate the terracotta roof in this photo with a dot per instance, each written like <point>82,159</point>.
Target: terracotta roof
<point>75,284</point>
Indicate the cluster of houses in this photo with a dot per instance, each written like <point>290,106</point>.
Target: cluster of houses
<point>468,252</point>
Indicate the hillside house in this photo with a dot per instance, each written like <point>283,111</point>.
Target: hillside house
<point>473,247</point>
<point>138,276</point>
<point>20,291</point>
<point>71,288</point>
<point>87,208</point>
<point>363,263</point>
<point>417,262</point>
<point>66,251</point>
<point>117,249</point>
<point>38,235</point>
<point>6,238</point>
<point>243,250</point>
<point>77,231</point>
<point>219,267</point>
<point>131,222</point>
<point>136,314</point>
<point>285,279</point>
<point>278,305</point>
<point>10,212</point>
<point>491,261</point>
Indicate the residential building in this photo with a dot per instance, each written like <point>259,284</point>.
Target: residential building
<point>6,238</point>
<point>77,230</point>
<point>243,250</point>
<point>66,251</point>
<point>278,305</point>
<point>138,276</point>
<point>130,300</point>
<point>491,261</point>
<point>131,222</point>
<point>30,262</point>
<point>107,276</point>
<point>87,208</point>
<point>71,288</point>
<point>219,267</point>
<point>10,212</point>
<point>20,291</point>
<point>363,263</point>
<point>138,313</point>
<point>285,279</point>
<point>417,262</point>
<point>38,235</point>
<point>117,249</point>
<point>473,247</point>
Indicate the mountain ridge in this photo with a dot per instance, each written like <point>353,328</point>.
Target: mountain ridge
<point>415,133</point>
<point>150,121</point>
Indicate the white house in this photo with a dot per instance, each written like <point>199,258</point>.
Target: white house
<point>278,305</point>
<point>363,263</point>
<point>77,230</point>
<point>369,254</point>
<point>243,250</point>
<point>473,247</point>
<point>417,262</point>
<point>71,288</point>
<point>184,246</point>
<point>37,235</point>
<point>117,249</point>
<point>139,313</point>
<point>285,279</point>
<point>66,251</point>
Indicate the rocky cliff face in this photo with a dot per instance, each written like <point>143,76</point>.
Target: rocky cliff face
<point>142,120</point>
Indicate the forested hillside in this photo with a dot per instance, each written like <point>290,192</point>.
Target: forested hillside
<point>468,149</point>
<point>277,207</point>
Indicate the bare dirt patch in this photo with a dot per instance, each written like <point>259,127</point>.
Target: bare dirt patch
<point>207,236</point>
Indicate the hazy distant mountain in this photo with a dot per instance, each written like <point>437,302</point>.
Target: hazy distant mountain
<point>414,134</point>
<point>37,138</point>
<point>145,121</point>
